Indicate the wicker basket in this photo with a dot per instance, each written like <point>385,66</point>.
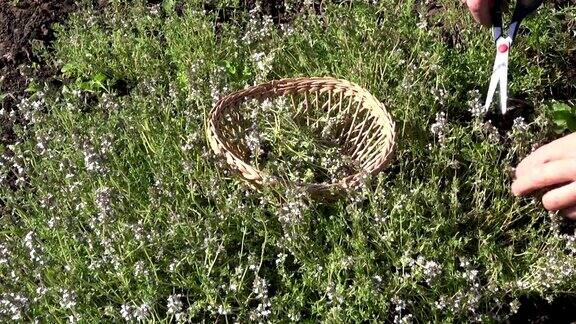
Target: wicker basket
<point>365,130</point>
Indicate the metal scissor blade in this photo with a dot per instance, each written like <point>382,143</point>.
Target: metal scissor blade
<point>504,91</point>
<point>502,61</point>
<point>491,89</point>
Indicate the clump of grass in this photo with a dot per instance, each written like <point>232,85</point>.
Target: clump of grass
<point>293,147</point>
<point>112,208</point>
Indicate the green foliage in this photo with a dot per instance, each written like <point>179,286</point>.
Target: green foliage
<point>115,207</point>
<point>564,117</point>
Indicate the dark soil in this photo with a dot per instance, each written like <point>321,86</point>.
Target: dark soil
<point>538,310</point>
<point>23,22</point>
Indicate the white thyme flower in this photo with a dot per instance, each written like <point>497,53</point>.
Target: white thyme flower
<point>570,244</point>
<point>93,160</point>
<point>286,29</point>
<point>440,95</point>
<point>126,312</point>
<point>431,269</point>
<point>439,127</point>
<point>42,144</point>
<point>73,318</point>
<point>224,310</point>
<point>519,126</point>
<point>406,319</point>
<point>30,107</point>
<point>423,23</point>
<point>475,105</point>
<point>260,287</point>
<point>492,131</point>
<point>399,304</point>
<point>106,143</point>
<point>263,64</point>
<point>441,303</point>
<point>13,305</point>
<point>173,266</point>
<point>140,269</point>
<point>68,298</point>
<point>281,258</point>
<point>192,141</point>
<point>262,311</point>
<point>268,105</point>
<point>333,295</point>
<point>470,275</point>
<point>347,262</point>
<point>180,317</point>
<point>257,29</point>
<point>174,304</point>
<point>294,316</point>
<point>141,312</point>
<point>40,293</point>
<point>215,93</point>
<point>103,202</point>
<point>41,290</point>
<point>514,306</point>
<point>4,254</point>
<point>254,140</point>
<point>35,252</point>
<point>53,222</point>
<point>292,212</point>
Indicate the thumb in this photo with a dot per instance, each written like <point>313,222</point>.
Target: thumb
<point>481,10</point>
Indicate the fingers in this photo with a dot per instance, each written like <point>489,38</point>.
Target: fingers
<point>569,212</point>
<point>562,148</point>
<point>551,168</point>
<point>481,10</point>
<point>560,198</point>
<point>545,175</point>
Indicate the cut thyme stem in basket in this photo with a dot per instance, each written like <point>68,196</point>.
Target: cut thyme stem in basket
<point>292,148</point>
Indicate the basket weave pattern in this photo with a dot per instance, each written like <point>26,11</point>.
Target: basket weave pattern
<point>363,128</point>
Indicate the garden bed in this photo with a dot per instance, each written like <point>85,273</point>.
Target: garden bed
<point>117,210</point>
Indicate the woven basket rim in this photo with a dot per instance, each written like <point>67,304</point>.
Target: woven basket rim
<point>288,86</point>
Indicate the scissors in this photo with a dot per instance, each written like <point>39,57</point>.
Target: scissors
<point>500,71</point>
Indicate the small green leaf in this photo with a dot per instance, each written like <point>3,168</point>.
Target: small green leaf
<point>247,72</point>
<point>168,6</point>
<point>32,88</point>
<point>230,68</point>
<point>564,117</point>
<point>561,115</point>
<point>571,123</point>
<point>182,78</point>
<point>560,106</point>
<point>68,68</point>
<point>99,78</point>
<point>86,86</point>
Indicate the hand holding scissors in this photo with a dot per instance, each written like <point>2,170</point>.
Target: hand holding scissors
<point>500,71</point>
